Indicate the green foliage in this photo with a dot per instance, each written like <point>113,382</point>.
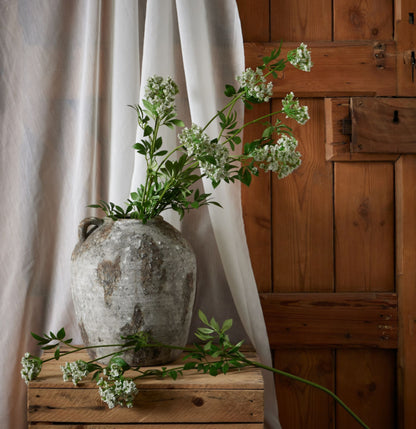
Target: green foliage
<point>172,177</point>
<point>213,355</point>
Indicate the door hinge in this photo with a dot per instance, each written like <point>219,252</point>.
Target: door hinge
<point>380,55</point>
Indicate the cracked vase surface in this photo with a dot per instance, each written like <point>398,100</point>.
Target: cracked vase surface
<point>126,277</point>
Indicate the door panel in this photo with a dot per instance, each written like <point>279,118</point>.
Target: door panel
<point>333,245</point>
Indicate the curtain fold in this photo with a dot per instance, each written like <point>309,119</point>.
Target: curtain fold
<point>68,71</point>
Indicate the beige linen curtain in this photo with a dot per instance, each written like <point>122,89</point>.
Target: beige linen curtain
<point>68,70</point>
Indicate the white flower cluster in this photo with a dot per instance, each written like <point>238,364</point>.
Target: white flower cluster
<point>115,371</point>
<point>255,84</point>
<point>281,158</point>
<point>300,58</point>
<point>74,370</point>
<point>194,139</point>
<point>119,391</point>
<point>161,93</point>
<point>31,367</point>
<point>198,145</point>
<point>294,110</point>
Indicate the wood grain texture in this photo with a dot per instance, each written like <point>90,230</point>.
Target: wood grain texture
<point>364,227</point>
<point>340,69</point>
<point>365,378</point>
<point>150,426</point>
<point>405,35</point>
<point>150,406</point>
<point>256,202</point>
<point>255,20</point>
<point>406,280</point>
<point>337,142</point>
<point>302,214</point>
<point>299,20</point>
<point>383,125</point>
<point>363,20</point>
<point>246,378</point>
<point>301,406</point>
<point>331,320</point>
<point>236,397</point>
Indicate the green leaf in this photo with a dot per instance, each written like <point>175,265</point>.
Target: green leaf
<point>229,90</point>
<point>214,324</point>
<point>140,148</point>
<point>51,346</point>
<point>203,337</point>
<point>57,353</point>
<point>227,325</point>
<point>202,317</point>
<point>161,153</point>
<point>117,360</point>
<point>61,334</point>
<point>178,122</point>
<point>173,374</point>
<point>189,365</point>
<point>248,105</point>
<point>213,371</point>
<point>147,131</point>
<point>205,330</point>
<point>149,106</point>
<point>39,338</point>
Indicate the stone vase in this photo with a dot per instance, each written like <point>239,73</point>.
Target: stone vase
<point>128,277</point>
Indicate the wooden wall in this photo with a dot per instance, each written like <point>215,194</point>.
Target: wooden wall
<point>332,244</point>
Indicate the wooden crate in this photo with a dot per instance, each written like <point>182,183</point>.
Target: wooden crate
<point>230,401</point>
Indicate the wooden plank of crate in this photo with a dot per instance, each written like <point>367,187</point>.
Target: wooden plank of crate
<point>383,125</point>
<point>243,379</point>
<point>194,398</point>
<point>151,426</point>
<point>147,426</point>
<point>340,69</point>
<point>331,319</point>
<point>150,406</point>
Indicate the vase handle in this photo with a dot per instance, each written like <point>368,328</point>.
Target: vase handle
<point>84,229</point>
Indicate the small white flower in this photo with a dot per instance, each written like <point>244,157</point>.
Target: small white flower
<point>120,391</point>
<point>213,157</point>
<point>74,370</point>
<point>255,85</point>
<point>161,93</point>
<point>31,367</point>
<point>115,371</point>
<point>294,110</point>
<point>300,58</point>
<point>281,158</point>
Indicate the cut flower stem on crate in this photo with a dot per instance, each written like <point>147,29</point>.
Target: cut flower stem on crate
<point>213,354</point>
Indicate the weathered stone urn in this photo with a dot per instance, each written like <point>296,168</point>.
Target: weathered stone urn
<point>127,277</point>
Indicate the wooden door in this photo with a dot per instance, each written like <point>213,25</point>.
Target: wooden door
<point>333,246</point>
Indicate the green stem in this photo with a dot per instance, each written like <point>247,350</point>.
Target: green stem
<point>150,160</point>
<point>310,383</point>
<point>78,349</point>
<point>111,354</point>
<point>228,105</point>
